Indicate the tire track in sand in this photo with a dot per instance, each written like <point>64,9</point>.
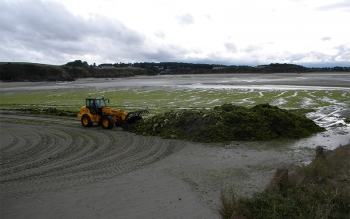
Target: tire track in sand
<point>38,155</point>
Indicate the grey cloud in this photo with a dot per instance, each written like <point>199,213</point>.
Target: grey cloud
<point>165,53</point>
<point>48,29</point>
<point>345,57</point>
<point>319,56</point>
<point>36,20</point>
<point>161,55</point>
<point>299,58</point>
<point>231,47</point>
<point>326,38</point>
<point>252,48</point>
<point>214,58</point>
<point>342,57</point>
<point>208,16</point>
<point>160,34</point>
<point>296,57</point>
<point>344,5</point>
<point>342,48</point>
<point>343,53</point>
<point>45,31</point>
<point>33,31</point>
<point>185,19</point>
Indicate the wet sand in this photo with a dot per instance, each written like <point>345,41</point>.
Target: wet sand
<point>54,168</point>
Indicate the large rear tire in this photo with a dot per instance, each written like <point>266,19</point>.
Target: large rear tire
<point>107,122</point>
<point>86,121</point>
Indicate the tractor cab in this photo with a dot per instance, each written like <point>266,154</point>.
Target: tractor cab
<point>96,111</point>
<point>95,105</point>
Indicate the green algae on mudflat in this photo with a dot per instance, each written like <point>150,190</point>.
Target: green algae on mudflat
<point>228,122</point>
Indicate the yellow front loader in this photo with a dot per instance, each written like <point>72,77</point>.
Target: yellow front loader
<point>97,111</point>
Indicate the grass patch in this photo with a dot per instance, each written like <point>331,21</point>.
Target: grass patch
<point>319,190</point>
<point>228,123</point>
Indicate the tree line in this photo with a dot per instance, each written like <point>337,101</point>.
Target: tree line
<point>81,69</point>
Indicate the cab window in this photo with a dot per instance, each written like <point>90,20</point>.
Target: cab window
<point>100,103</point>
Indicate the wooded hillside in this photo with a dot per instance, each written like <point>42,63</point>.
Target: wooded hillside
<point>16,71</point>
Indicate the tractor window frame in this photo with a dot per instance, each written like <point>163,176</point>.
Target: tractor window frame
<point>90,102</point>
<point>100,103</point>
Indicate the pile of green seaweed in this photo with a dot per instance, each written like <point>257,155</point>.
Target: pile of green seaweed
<point>50,111</point>
<point>228,123</point>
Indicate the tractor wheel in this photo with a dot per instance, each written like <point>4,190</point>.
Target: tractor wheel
<point>86,121</point>
<point>107,122</point>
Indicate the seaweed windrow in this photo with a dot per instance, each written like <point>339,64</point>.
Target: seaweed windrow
<point>50,111</point>
<point>228,123</point>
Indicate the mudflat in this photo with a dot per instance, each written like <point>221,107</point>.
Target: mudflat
<point>52,167</point>
<point>321,80</point>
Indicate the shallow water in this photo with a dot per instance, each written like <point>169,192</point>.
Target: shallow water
<point>257,81</point>
<point>330,139</point>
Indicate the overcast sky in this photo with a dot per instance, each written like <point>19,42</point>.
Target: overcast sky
<point>231,32</point>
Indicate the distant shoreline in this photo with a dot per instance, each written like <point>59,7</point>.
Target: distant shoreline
<point>326,80</point>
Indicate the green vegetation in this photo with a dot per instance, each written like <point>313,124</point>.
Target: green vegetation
<point>347,120</point>
<point>38,72</point>
<point>161,100</point>
<point>16,71</point>
<point>319,190</point>
<point>272,68</point>
<point>32,72</point>
<point>228,123</point>
<point>50,111</point>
